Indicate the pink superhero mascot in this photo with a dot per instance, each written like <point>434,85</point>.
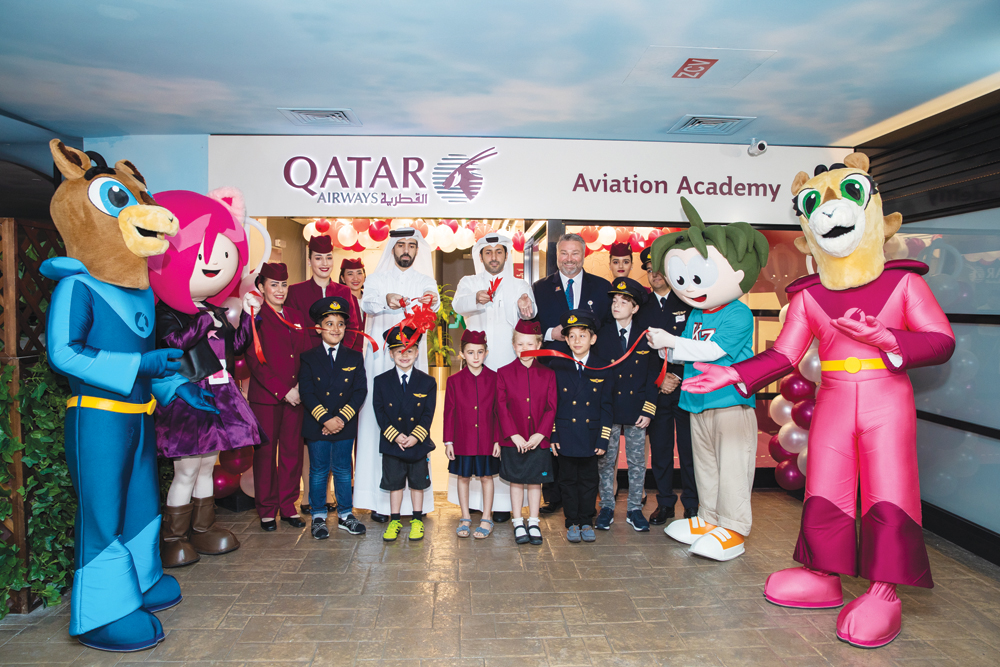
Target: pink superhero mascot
<point>874,321</point>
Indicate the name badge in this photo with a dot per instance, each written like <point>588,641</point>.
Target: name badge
<point>679,318</point>
<point>222,377</point>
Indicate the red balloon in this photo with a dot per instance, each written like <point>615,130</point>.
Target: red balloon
<point>237,461</point>
<point>226,482</point>
<point>587,252</point>
<point>379,231</point>
<point>451,223</point>
<point>777,452</point>
<point>322,226</point>
<point>518,241</point>
<point>788,475</point>
<point>622,234</point>
<point>357,247</point>
<point>637,242</point>
<point>422,228</point>
<point>361,224</point>
<point>241,371</point>
<point>796,387</point>
<point>589,234</point>
<point>802,413</point>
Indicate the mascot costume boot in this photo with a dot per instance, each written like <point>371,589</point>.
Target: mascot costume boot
<point>101,337</point>
<point>874,321</point>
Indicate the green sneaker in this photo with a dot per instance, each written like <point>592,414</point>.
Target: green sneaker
<point>392,530</point>
<point>416,529</point>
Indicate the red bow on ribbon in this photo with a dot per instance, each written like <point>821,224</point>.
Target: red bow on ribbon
<point>563,355</point>
<point>494,286</point>
<point>421,319</point>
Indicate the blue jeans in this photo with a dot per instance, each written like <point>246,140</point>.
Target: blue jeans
<point>326,457</point>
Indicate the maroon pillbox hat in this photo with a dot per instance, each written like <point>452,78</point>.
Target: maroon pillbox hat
<point>528,327</point>
<point>321,244</point>
<point>474,337</point>
<point>351,263</point>
<point>274,271</point>
<point>621,250</point>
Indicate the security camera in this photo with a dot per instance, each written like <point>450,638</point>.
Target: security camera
<point>757,147</point>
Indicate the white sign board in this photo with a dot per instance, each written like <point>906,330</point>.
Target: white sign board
<point>462,177</point>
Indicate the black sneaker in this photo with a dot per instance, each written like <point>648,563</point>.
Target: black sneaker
<point>319,529</point>
<point>501,517</point>
<point>605,518</point>
<point>379,518</point>
<point>351,525</point>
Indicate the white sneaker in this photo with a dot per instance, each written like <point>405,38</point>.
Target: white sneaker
<point>687,531</point>
<point>719,544</point>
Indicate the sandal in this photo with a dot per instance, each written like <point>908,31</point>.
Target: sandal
<point>520,534</point>
<point>482,533</point>
<point>464,525</point>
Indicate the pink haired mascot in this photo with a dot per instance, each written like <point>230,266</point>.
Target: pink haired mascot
<point>192,280</point>
<point>874,320</point>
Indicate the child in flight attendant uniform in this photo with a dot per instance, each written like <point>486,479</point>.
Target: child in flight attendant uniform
<point>471,432</point>
<point>526,406</point>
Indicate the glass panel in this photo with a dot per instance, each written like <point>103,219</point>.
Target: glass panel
<point>960,472</point>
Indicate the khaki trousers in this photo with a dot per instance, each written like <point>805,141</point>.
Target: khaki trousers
<point>724,444</point>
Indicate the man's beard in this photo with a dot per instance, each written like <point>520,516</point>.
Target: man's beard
<point>498,270</point>
<point>404,261</point>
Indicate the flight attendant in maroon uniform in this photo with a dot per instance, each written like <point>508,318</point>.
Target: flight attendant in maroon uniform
<point>274,399</point>
<point>303,295</point>
<point>352,274</point>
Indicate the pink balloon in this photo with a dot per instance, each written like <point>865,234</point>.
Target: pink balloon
<point>518,241</point>
<point>637,242</point>
<point>777,452</point>
<point>796,388</point>
<point>802,413</point>
<point>246,483</point>
<point>452,223</point>
<point>237,461</point>
<point>788,475</point>
<point>241,371</point>
<point>360,224</point>
<point>226,482</point>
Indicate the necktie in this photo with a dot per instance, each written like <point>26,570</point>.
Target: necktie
<point>569,293</point>
<point>623,339</point>
<point>333,356</point>
<point>404,382</point>
<point>579,369</point>
<point>663,302</point>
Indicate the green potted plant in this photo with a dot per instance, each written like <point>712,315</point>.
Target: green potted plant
<point>439,353</point>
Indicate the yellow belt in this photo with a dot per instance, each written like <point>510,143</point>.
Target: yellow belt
<point>853,365</point>
<point>111,406</point>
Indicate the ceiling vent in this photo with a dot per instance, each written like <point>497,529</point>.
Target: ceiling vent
<point>710,125</point>
<point>341,117</point>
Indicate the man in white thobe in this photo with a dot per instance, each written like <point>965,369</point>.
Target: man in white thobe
<point>512,301</point>
<point>404,272</point>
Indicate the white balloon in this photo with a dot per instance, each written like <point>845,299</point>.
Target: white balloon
<point>801,461</point>
<point>246,482</point>
<point>793,438</point>
<point>347,236</point>
<point>309,231</point>
<point>606,235</point>
<point>780,410</point>
<point>466,238</point>
<point>595,246</point>
<point>783,313</point>
<point>448,245</point>
<point>811,366</point>
<point>234,308</point>
<point>365,239</point>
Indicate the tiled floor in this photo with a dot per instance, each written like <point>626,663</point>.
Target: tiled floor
<point>629,599</point>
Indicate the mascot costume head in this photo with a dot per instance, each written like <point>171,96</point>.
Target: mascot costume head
<point>100,335</point>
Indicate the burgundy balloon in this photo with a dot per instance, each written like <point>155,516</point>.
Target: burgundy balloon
<point>802,413</point>
<point>241,370</point>
<point>788,475</point>
<point>796,388</point>
<point>777,452</point>
<point>237,461</point>
<point>226,482</point>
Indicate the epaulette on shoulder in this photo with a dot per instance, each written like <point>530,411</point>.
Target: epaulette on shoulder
<point>909,265</point>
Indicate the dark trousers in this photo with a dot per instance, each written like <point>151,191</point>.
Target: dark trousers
<point>661,453</point>
<point>578,480</point>
<point>276,483</point>
<point>551,492</point>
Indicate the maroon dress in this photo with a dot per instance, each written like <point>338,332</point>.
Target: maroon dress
<point>303,295</point>
<point>471,424</point>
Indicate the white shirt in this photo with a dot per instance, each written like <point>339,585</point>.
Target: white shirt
<point>577,287</point>
<point>496,318</point>
<point>627,328</point>
<point>581,362</point>
<point>408,373</point>
<point>335,348</point>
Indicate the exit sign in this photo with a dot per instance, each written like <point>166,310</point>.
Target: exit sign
<point>694,68</point>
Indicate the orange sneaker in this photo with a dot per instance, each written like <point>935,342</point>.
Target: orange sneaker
<point>688,530</point>
<point>719,544</point>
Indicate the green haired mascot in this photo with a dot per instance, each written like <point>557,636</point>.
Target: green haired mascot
<point>710,268</point>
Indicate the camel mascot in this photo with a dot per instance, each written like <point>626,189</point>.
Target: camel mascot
<point>101,337</point>
<point>874,321</point>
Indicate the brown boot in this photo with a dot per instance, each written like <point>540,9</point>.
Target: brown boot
<point>206,537</point>
<point>175,549</point>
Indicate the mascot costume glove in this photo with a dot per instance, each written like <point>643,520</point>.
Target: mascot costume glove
<point>874,320</point>
<point>100,335</point>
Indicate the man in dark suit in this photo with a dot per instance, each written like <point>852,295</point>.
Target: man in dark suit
<point>569,288</point>
<point>664,310</point>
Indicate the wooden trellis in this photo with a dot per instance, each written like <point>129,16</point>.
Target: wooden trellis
<point>24,298</point>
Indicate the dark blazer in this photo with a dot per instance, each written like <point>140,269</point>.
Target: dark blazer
<point>584,412</point>
<point>282,345</point>
<point>551,301</point>
<point>301,297</point>
<point>672,318</point>
<point>635,392</point>
<point>409,414</point>
<point>190,333</point>
<point>329,391</point>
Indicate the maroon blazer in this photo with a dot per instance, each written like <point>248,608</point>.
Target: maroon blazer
<point>282,345</point>
<point>526,401</point>
<point>302,296</point>
<point>470,412</point>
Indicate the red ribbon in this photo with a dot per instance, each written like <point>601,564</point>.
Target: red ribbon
<point>494,286</point>
<point>259,351</point>
<point>421,318</point>
<point>563,355</point>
